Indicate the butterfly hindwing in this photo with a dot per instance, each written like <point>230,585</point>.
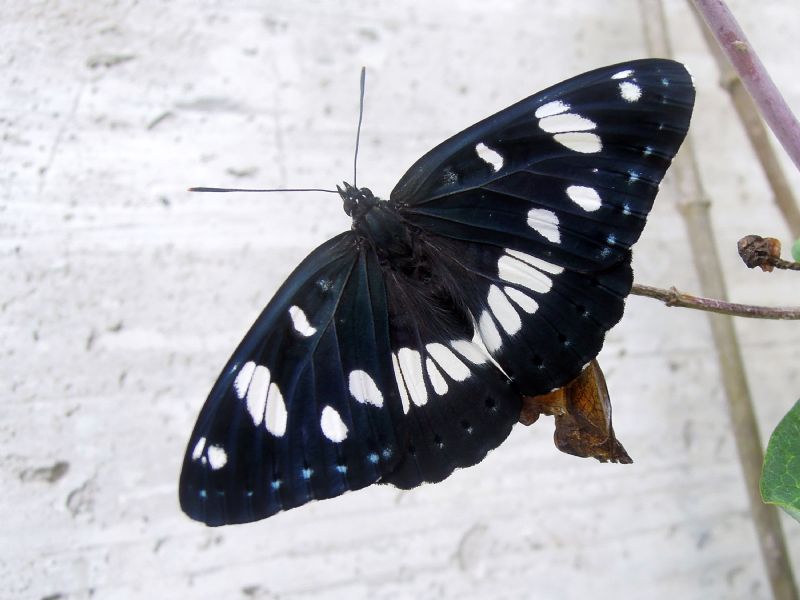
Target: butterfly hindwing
<point>541,322</point>
<point>307,407</point>
<point>457,404</point>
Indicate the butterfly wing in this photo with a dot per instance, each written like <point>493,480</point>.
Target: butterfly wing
<point>307,407</point>
<point>540,204</point>
<point>329,392</point>
<point>457,404</point>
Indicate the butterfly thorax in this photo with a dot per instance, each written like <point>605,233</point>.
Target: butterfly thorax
<point>378,223</point>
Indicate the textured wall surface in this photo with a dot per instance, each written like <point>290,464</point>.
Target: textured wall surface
<point>122,296</point>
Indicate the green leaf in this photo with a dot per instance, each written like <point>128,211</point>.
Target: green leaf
<point>796,250</point>
<point>780,477</point>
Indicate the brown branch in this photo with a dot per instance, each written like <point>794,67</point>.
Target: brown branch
<point>756,131</point>
<point>754,75</point>
<point>674,297</point>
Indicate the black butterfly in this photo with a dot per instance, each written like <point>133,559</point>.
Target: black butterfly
<point>399,351</point>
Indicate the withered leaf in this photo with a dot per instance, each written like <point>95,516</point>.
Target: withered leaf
<point>757,251</point>
<point>582,410</point>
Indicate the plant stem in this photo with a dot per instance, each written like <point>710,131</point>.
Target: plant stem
<point>756,131</point>
<point>753,74</point>
<point>674,297</point>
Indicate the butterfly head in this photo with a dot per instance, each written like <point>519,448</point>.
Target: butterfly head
<point>357,201</point>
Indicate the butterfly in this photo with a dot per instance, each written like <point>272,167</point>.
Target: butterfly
<point>400,350</point>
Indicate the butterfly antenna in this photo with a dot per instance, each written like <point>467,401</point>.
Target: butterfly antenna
<point>355,158</point>
<point>216,189</point>
<point>360,117</point>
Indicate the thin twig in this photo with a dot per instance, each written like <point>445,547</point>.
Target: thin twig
<point>756,132</point>
<point>753,74</point>
<point>674,297</point>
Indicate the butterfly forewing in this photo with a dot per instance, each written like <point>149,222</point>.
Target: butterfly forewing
<point>307,407</point>
<point>568,174</point>
<point>542,202</point>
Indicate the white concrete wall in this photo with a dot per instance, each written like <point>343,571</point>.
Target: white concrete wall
<point>122,296</point>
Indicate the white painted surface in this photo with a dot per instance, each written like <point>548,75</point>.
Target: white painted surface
<point>123,296</point>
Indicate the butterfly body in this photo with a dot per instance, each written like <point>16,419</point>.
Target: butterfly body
<point>400,350</point>
<point>378,224</point>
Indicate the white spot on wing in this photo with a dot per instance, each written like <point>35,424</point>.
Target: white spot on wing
<point>332,425</point>
<point>540,264</point>
<point>585,197</point>
<point>503,311</point>
<point>630,91</point>
<point>197,452</point>
<point>622,74</point>
<point>551,108</point>
<point>525,302</point>
<point>545,222</point>
<point>580,141</point>
<point>300,322</point>
<point>401,385</point>
<point>470,351</point>
<point>566,122</point>
<point>275,417</point>
<point>515,271</point>
<point>448,361</point>
<point>363,388</point>
<point>242,381</point>
<point>489,334</point>
<point>438,382</point>
<point>489,156</point>
<point>411,366</point>
<point>217,457</point>
<point>257,394</point>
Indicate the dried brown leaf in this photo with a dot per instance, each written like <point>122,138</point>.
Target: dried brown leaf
<point>582,410</point>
